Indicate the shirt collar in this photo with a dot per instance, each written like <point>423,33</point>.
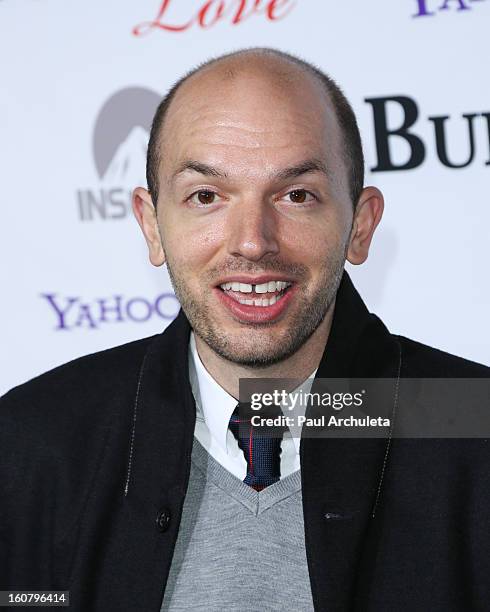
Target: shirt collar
<point>214,404</point>
<point>304,387</point>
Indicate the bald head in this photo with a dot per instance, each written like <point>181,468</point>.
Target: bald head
<point>243,88</point>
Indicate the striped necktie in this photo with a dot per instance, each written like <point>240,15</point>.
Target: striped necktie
<point>261,447</point>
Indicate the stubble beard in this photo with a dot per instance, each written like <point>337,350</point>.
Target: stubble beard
<point>304,322</point>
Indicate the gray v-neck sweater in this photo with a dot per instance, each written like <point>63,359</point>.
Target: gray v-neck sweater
<point>238,549</point>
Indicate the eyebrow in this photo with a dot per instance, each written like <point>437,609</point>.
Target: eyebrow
<point>196,166</point>
<point>308,166</point>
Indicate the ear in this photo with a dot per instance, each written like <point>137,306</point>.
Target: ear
<point>146,215</point>
<point>369,211</point>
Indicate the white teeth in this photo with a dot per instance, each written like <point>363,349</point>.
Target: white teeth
<point>271,286</point>
<point>261,302</point>
<point>262,288</point>
<point>268,287</point>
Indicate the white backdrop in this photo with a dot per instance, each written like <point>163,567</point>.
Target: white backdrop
<point>80,81</point>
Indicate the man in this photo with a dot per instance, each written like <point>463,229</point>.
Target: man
<point>114,490</point>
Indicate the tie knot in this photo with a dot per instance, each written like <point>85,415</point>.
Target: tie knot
<point>261,444</point>
<point>268,421</point>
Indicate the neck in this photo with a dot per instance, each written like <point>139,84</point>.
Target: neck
<point>298,366</point>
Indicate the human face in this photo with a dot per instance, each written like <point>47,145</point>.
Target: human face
<point>254,212</point>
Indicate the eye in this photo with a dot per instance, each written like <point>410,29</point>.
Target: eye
<point>300,196</point>
<point>203,197</point>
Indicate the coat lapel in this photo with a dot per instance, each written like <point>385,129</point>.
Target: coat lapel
<point>164,416</point>
<point>341,477</point>
<point>157,470</point>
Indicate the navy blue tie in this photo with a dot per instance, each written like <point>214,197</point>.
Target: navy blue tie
<point>261,447</point>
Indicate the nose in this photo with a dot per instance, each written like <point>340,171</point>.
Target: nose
<point>252,230</point>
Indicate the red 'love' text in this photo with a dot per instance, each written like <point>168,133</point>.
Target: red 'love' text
<point>213,11</point>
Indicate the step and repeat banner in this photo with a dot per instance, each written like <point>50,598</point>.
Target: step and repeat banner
<point>80,82</point>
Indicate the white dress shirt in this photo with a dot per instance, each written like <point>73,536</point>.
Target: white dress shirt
<point>214,407</point>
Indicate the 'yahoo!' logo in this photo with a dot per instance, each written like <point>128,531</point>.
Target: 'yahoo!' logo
<point>72,312</point>
<point>424,6</point>
<point>213,11</point>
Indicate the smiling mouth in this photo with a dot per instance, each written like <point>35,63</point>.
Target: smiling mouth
<point>262,295</point>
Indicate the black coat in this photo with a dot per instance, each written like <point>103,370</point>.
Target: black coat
<point>95,460</point>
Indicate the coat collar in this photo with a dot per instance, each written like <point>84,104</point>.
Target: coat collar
<point>341,478</point>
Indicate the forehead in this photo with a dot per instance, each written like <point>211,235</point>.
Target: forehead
<point>255,119</point>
